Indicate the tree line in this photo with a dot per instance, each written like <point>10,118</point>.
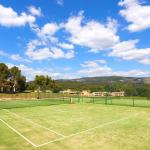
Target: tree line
<point>130,89</point>
<point>12,81</point>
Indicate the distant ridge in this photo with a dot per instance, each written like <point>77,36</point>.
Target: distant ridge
<point>109,79</point>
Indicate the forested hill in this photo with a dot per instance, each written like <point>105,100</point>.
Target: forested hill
<point>109,79</point>
<point>131,85</point>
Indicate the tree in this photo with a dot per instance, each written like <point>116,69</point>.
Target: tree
<point>44,82</point>
<point>4,76</point>
<point>4,72</point>
<point>13,78</point>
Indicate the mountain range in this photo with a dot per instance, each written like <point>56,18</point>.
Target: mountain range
<point>109,79</point>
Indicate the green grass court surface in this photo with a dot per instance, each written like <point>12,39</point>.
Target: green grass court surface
<point>58,125</point>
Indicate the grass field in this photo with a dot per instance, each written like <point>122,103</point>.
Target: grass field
<point>77,126</point>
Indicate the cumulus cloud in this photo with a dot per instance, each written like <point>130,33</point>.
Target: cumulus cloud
<point>14,57</point>
<point>17,57</point>
<point>49,29</point>
<point>95,68</point>
<point>9,17</point>
<point>35,11</point>
<point>127,50</point>
<point>145,61</point>
<point>47,45</point>
<point>36,53</point>
<point>66,45</point>
<point>136,14</point>
<point>93,64</point>
<point>30,72</point>
<point>92,34</point>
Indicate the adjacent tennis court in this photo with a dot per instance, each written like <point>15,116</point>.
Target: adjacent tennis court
<point>59,125</point>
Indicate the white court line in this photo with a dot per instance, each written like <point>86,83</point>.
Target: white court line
<point>35,123</point>
<point>99,126</point>
<point>18,133</point>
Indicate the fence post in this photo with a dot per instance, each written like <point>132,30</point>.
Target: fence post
<point>70,100</point>
<point>106,99</point>
<point>78,99</point>
<point>133,101</point>
<point>38,93</point>
<point>93,100</point>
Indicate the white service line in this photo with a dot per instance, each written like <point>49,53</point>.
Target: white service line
<point>35,123</point>
<point>17,132</point>
<point>84,131</point>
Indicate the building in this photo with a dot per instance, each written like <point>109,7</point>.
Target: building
<point>65,91</point>
<point>86,93</point>
<point>101,94</point>
<point>69,91</point>
<point>122,93</point>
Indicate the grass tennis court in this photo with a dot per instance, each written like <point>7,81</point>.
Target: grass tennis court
<point>59,125</point>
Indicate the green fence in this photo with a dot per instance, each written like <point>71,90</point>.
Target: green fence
<point>33,103</point>
<point>30,96</point>
<point>124,101</point>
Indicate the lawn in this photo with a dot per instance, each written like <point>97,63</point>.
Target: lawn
<point>77,126</point>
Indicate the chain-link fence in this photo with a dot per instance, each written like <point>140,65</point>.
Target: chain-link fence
<point>108,100</point>
<point>124,101</point>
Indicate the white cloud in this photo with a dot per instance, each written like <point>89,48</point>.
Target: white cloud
<point>16,57</point>
<point>145,61</point>
<point>70,54</point>
<point>49,29</point>
<point>137,15</point>
<point>66,46</point>
<point>94,68</point>
<point>36,53</point>
<point>30,73</point>
<point>93,64</point>
<point>92,34</point>
<point>60,2</point>
<point>35,11</point>
<point>127,50</point>
<point>8,17</point>
<point>47,46</point>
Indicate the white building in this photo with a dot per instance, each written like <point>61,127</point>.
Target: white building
<point>69,91</point>
<point>122,93</point>
<point>101,94</point>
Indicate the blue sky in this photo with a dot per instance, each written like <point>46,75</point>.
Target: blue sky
<point>76,38</point>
